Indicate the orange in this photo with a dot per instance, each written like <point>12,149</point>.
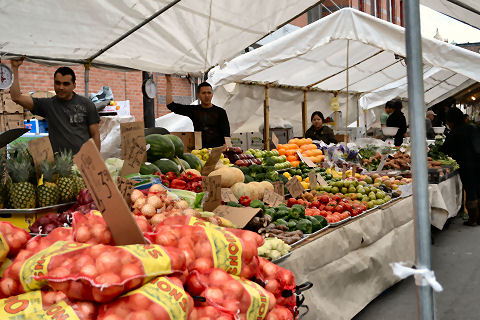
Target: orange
<point>292,146</point>
<point>294,163</point>
<point>293,141</point>
<point>290,152</point>
<point>282,151</point>
<point>292,158</point>
<point>309,141</point>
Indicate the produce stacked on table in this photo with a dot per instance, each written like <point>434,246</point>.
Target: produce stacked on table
<point>236,156</point>
<point>306,148</point>
<point>21,189</point>
<point>270,158</point>
<point>204,155</point>
<point>261,173</point>
<point>301,173</point>
<point>435,154</point>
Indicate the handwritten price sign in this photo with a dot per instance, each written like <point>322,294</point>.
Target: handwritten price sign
<point>41,150</point>
<point>133,146</point>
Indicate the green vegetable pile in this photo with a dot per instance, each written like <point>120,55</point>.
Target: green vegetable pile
<point>261,173</point>
<point>273,248</point>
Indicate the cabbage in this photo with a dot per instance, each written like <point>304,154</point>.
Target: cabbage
<point>114,165</point>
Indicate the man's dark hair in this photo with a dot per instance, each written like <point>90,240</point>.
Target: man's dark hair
<point>64,71</point>
<point>317,113</point>
<point>394,104</point>
<point>204,84</point>
<point>455,116</point>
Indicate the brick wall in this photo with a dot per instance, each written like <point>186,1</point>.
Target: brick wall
<point>125,85</point>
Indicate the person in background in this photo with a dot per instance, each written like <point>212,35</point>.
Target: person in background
<point>397,119</point>
<point>318,131</point>
<point>384,117</point>
<point>428,124</point>
<point>211,120</point>
<point>463,145</point>
<point>466,117</point>
<point>72,119</point>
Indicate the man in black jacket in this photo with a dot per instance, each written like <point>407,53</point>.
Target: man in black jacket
<point>396,119</point>
<point>211,120</point>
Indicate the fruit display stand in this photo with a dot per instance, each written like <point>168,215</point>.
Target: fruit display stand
<point>23,218</point>
<point>349,265</point>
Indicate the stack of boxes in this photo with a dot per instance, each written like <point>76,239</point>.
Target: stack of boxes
<point>11,114</point>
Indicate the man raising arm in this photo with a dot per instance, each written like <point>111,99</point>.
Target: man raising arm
<point>72,119</point>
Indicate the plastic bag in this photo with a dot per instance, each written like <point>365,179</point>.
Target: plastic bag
<point>91,228</point>
<point>163,298</point>
<point>10,285</point>
<point>206,246</point>
<point>12,239</point>
<point>233,295</point>
<point>99,273</point>
<point>45,305</point>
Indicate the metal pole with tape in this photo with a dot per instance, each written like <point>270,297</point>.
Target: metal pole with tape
<point>419,156</point>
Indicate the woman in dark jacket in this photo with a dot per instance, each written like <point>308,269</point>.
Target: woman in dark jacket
<point>318,131</point>
<point>396,119</point>
<point>463,145</point>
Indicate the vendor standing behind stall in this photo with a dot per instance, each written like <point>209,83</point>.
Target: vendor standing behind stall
<point>397,119</point>
<point>318,131</point>
<point>72,119</point>
<point>463,145</point>
<point>211,120</point>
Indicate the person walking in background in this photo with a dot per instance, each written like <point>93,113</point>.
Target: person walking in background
<point>428,124</point>
<point>318,131</point>
<point>397,119</point>
<point>463,145</point>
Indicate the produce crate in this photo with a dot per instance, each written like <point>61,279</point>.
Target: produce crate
<point>24,218</point>
<point>240,140</point>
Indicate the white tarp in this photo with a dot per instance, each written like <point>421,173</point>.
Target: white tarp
<point>467,11</point>
<point>190,37</point>
<point>316,56</point>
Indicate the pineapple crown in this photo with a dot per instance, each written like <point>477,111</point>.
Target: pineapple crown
<point>48,171</point>
<point>19,169</point>
<point>19,149</point>
<point>64,163</point>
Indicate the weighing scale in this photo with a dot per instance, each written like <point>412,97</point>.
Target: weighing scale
<point>6,77</point>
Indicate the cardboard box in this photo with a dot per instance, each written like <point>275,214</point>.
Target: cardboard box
<point>191,140</point>
<point>240,140</point>
<point>11,107</point>
<point>282,134</point>
<point>254,140</point>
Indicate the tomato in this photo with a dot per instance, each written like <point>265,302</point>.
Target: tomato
<point>321,207</point>
<point>329,208</point>
<point>324,198</point>
<point>339,208</point>
<point>323,213</point>
<point>301,202</point>
<point>354,212</point>
<point>291,202</point>
<point>347,206</point>
<point>336,197</point>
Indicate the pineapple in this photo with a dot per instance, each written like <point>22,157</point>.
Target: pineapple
<point>79,184</point>
<point>47,193</point>
<point>20,149</point>
<point>22,192</point>
<point>66,184</point>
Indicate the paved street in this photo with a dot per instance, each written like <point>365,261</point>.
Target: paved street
<point>456,262</point>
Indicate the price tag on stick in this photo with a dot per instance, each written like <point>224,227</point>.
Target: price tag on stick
<point>272,198</point>
<point>125,186</point>
<point>382,162</point>
<point>238,216</point>
<point>307,161</point>
<point>294,187</point>
<point>321,181</point>
<point>209,166</point>
<point>212,186</point>
<point>312,176</point>
<point>107,197</point>
<point>227,195</point>
<point>228,142</point>
<point>133,146</point>
<point>278,187</point>
<point>344,172</point>
<point>41,150</point>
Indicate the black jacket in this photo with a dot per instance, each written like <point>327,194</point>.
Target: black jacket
<point>324,134</point>
<point>397,119</point>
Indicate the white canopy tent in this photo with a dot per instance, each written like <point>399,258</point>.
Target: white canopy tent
<point>315,57</point>
<point>467,11</point>
<point>181,36</point>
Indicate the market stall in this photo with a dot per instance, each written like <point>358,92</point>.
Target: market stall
<point>446,199</point>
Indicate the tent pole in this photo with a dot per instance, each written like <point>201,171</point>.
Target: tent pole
<point>87,77</point>
<point>304,113</point>
<point>419,156</point>
<point>266,120</point>
<point>345,136</point>
<point>365,121</point>
<point>358,111</point>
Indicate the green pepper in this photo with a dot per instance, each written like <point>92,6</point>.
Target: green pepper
<point>304,225</point>
<point>270,211</point>
<point>281,221</point>
<point>268,161</point>
<point>297,211</point>
<point>322,220</point>
<point>245,170</point>
<point>281,212</point>
<point>292,225</point>
<point>248,178</point>
<point>257,204</point>
<point>316,225</point>
<point>234,204</point>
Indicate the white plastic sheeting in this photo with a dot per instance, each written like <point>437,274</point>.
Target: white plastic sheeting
<point>174,123</point>
<point>190,37</point>
<point>467,11</point>
<point>316,56</point>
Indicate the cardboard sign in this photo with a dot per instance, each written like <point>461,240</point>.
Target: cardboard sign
<point>382,162</point>
<point>275,140</point>
<point>294,187</point>
<point>212,161</point>
<point>321,181</point>
<point>40,149</point>
<point>354,170</point>
<point>227,195</point>
<point>198,140</point>
<point>307,161</point>
<point>213,192</point>
<point>312,176</point>
<point>344,172</point>
<point>228,142</point>
<point>133,146</point>
<point>125,186</point>
<point>278,187</point>
<point>238,216</point>
<point>107,197</point>
<point>272,198</point>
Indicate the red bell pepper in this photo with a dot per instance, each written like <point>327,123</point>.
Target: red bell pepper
<point>197,186</point>
<point>170,176</point>
<point>190,176</point>
<point>178,184</point>
<point>166,183</point>
<point>245,201</point>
